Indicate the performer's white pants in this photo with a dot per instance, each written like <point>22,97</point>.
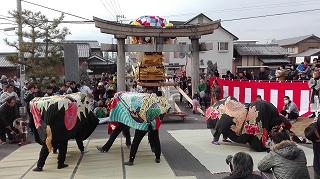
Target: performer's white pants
<point>315,105</point>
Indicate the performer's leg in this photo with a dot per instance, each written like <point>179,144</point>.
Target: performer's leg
<point>216,136</point>
<point>42,158</point>
<point>62,154</point>
<point>126,131</point>
<point>135,143</point>
<point>79,143</point>
<point>157,145</point>
<point>114,134</point>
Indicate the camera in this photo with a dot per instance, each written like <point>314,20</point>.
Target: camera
<point>229,161</point>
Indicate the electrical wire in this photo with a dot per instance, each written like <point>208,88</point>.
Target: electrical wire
<point>119,6</point>
<point>296,3</point>
<point>56,10</point>
<point>6,16</point>
<point>115,7</point>
<point>77,22</point>
<point>107,10</point>
<point>112,9</point>
<point>270,15</point>
<point>7,19</point>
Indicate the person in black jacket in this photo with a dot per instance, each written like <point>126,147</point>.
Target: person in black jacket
<point>8,113</point>
<point>241,166</point>
<point>183,84</point>
<point>263,75</point>
<point>33,91</point>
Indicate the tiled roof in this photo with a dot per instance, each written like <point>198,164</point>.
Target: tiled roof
<point>307,53</point>
<point>5,63</point>
<point>98,60</point>
<point>259,49</point>
<point>275,60</point>
<point>294,40</point>
<point>83,51</point>
<point>177,23</point>
<point>92,43</point>
<point>201,14</point>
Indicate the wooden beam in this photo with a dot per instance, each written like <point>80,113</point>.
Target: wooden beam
<point>132,76</point>
<point>111,27</point>
<point>156,47</point>
<point>188,98</point>
<point>149,84</point>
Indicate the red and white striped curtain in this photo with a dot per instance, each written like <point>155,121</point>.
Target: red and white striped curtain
<point>246,91</point>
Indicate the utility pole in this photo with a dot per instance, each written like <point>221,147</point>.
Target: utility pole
<point>118,17</point>
<point>20,41</point>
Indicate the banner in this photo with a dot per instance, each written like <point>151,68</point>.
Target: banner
<point>246,91</point>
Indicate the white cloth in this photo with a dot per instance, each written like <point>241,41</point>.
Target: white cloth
<point>5,96</point>
<point>136,89</point>
<point>103,120</point>
<point>17,84</point>
<point>315,106</point>
<point>85,89</point>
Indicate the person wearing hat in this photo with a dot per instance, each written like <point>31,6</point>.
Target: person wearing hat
<point>3,80</point>
<point>99,90</point>
<point>49,91</point>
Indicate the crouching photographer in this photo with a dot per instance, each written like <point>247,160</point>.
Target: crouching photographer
<point>241,166</point>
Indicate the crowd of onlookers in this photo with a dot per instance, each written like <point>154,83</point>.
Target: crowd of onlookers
<point>99,90</point>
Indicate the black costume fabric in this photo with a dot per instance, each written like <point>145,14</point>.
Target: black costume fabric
<point>60,118</point>
<point>252,123</point>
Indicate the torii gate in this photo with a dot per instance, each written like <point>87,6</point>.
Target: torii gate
<point>121,31</point>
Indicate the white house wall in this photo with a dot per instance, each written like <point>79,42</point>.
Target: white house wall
<point>223,59</point>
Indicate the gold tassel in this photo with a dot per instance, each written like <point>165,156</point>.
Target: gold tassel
<point>49,138</point>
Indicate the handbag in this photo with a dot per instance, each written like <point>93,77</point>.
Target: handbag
<point>202,94</point>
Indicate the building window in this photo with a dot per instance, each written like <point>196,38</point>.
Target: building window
<point>223,46</point>
<point>290,49</point>
<point>313,47</point>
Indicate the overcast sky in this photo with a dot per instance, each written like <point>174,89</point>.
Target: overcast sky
<point>261,29</point>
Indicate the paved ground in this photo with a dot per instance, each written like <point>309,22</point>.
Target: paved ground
<point>178,159</point>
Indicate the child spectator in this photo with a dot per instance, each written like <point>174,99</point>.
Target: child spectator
<point>101,112</point>
<point>195,103</point>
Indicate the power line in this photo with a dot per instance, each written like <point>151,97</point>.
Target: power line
<point>296,3</point>
<point>56,10</point>
<point>107,9</point>
<point>115,13</point>
<point>119,6</point>
<point>76,22</point>
<point>270,15</point>
<point>115,7</point>
<point>4,18</point>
